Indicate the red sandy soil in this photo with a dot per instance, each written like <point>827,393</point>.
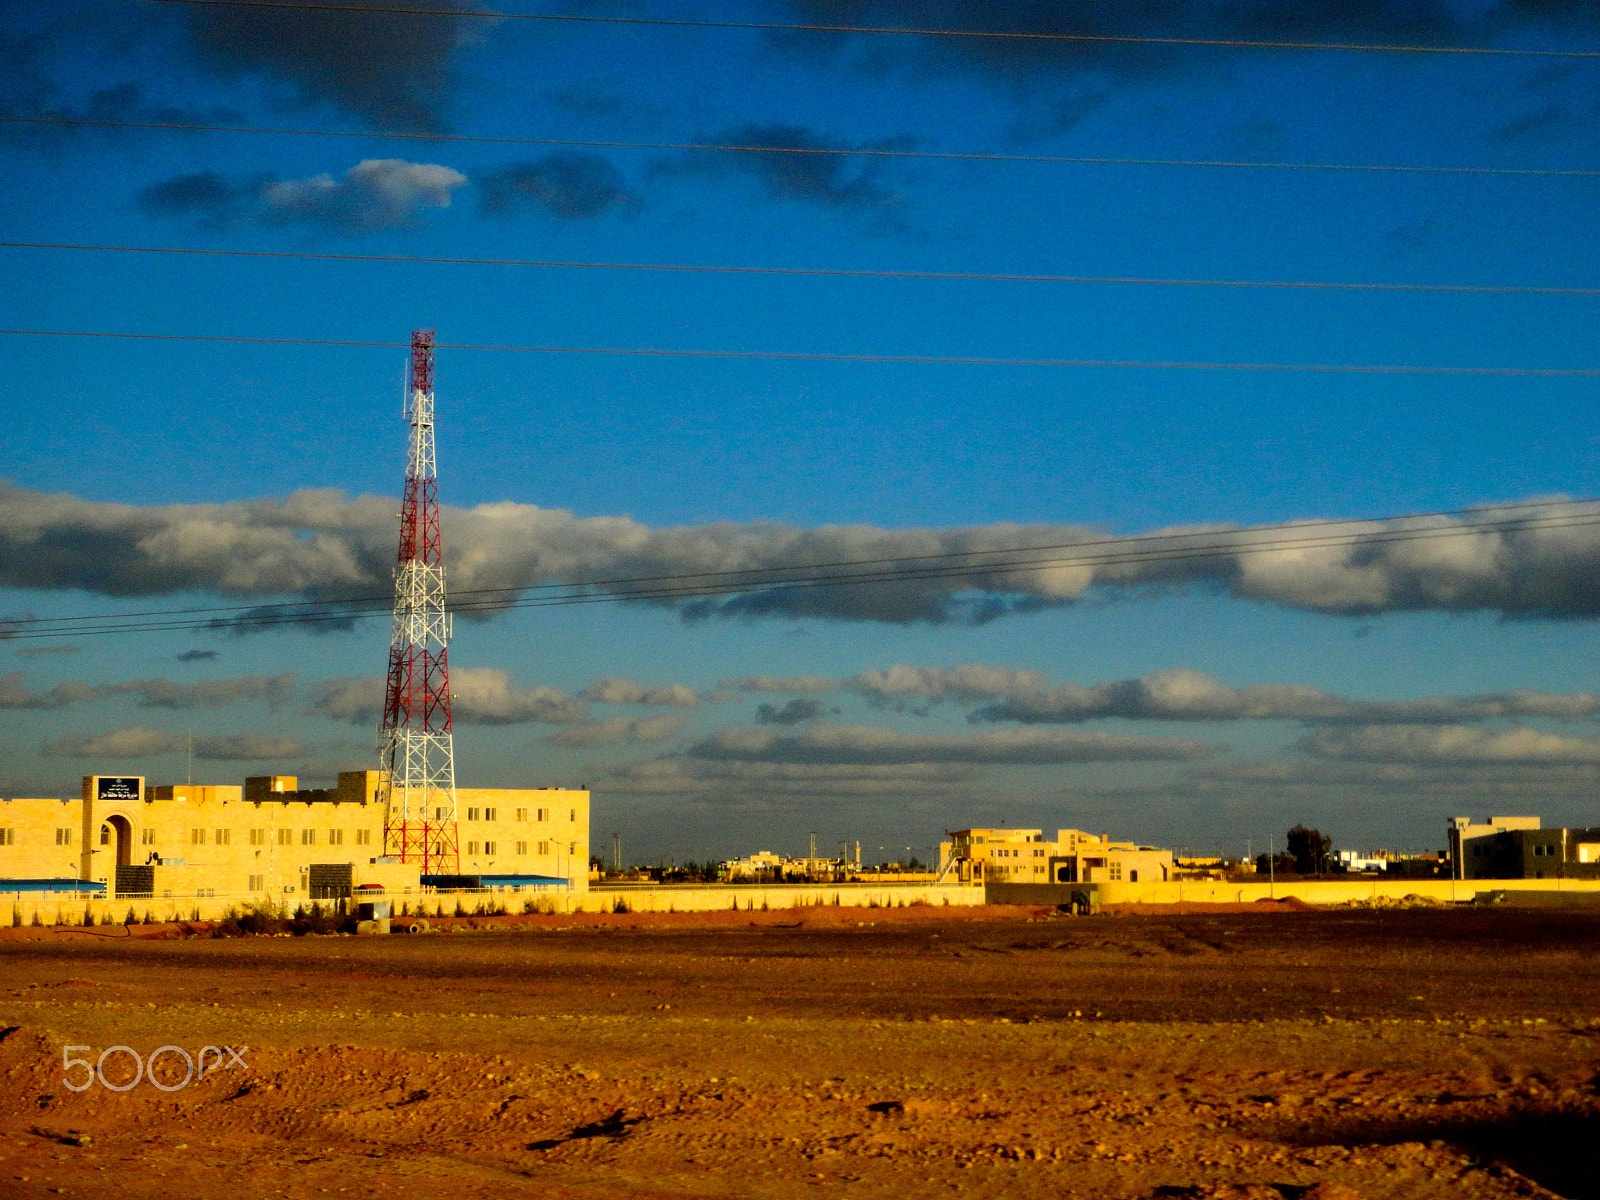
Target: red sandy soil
<point>1268,1054</point>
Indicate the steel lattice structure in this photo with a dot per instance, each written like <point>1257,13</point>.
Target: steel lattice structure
<point>415,737</point>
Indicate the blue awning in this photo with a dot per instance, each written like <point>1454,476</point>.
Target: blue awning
<point>51,885</point>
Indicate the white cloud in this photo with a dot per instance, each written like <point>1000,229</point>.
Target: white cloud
<point>151,693</point>
<point>620,729</point>
<point>376,193</point>
<point>856,744</point>
<point>322,545</point>
<point>1450,744</point>
<point>968,682</point>
<point>480,695</point>
<point>625,691</point>
<point>783,685</point>
<point>138,741</point>
<point>737,781</point>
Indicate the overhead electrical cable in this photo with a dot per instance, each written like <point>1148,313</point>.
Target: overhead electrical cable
<point>835,151</point>
<point>912,568</point>
<point>837,272</point>
<point>888,30</point>
<point>973,360</point>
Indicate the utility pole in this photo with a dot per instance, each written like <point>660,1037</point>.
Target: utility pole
<point>415,741</point>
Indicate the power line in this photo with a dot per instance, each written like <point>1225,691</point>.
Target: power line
<point>898,359</point>
<point>912,568</point>
<point>890,30</point>
<point>840,272</point>
<point>836,151</point>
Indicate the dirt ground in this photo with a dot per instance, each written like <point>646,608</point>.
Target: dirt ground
<point>1239,1055</point>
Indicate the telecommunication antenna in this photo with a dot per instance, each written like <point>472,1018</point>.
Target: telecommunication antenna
<point>419,781</point>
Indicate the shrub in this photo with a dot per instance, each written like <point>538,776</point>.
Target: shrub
<point>88,915</point>
<point>132,918</point>
<point>621,906</point>
<point>36,920</point>
<point>16,916</point>
<point>260,919</point>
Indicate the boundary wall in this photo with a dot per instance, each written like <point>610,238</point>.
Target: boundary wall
<point>66,908</point>
<point>1312,891</point>
<point>759,897</point>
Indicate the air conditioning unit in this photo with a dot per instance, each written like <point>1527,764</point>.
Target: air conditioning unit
<point>288,887</point>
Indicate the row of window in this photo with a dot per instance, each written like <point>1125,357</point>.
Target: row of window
<point>493,814</point>
<point>487,848</point>
<point>285,837</point>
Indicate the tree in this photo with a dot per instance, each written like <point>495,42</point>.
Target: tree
<point>1310,849</point>
<point>1278,864</point>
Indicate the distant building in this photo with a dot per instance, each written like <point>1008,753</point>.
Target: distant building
<point>1517,848</point>
<point>1355,860</point>
<point>1024,856</point>
<point>765,865</point>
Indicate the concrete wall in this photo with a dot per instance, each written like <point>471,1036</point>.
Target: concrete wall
<point>756,897</point>
<point>62,909</point>
<point>1311,891</point>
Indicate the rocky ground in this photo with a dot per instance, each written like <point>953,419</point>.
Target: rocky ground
<point>1254,1055</point>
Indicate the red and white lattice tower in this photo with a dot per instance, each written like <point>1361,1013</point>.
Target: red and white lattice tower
<point>415,740</point>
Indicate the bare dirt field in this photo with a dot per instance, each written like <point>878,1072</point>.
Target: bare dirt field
<point>1256,1055</point>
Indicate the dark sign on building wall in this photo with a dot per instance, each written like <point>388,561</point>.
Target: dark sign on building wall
<point>117,787</point>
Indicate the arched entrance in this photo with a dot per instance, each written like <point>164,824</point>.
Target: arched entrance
<point>117,831</point>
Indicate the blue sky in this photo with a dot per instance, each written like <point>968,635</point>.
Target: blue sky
<point>1372,688</point>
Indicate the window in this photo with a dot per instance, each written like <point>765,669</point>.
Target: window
<point>1115,870</point>
<point>308,837</point>
<point>522,814</point>
<point>488,847</point>
<point>472,847</point>
<point>572,814</point>
<point>335,837</point>
<point>544,814</point>
<point>258,837</point>
<point>257,883</point>
<point>544,848</point>
<point>105,835</point>
<point>197,837</point>
<point>472,814</point>
<point>363,837</point>
<point>489,814</point>
<point>438,814</point>
<point>148,837</point>
<point>224,837</point>
<point>572,847</point>
<point>63,837</point>
<point>522,847</point>
<point>8,837</point>
<point>285,837</point>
